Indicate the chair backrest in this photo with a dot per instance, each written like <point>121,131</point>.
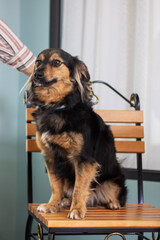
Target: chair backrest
<point>125,125</point>
<point>127,130</point>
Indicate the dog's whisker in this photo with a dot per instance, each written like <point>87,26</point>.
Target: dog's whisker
<point>26,84</point>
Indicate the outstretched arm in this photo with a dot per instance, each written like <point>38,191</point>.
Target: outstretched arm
<point>13,52</point>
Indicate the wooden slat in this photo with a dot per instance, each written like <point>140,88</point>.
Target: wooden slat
<point>30,129</point>
<point>29,112</point>
<point>129,146</point>
<point>121,116</point>
<point>31,146</point>
<point>118,131</point>
<point>127,131</point>
<point>133,215</point>
<point>121,146</point>
<point>118,116</point>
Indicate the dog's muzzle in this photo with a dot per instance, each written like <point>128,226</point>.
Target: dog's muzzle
<point>40,81</point>
<point>39,75</point>
<point>38,78</point>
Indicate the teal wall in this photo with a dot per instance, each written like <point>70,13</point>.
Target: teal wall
<point>30,21</point>
<point>8,133</point>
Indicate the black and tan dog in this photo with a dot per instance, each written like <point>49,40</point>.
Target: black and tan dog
<point>78,147</point>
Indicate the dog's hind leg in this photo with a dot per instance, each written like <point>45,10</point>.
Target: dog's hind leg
<point>68,192</point>
<point>66,202</point>
<point>107,194</point>
<point>85,173</point>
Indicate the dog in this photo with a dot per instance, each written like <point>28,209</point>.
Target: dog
<point>78,147</point>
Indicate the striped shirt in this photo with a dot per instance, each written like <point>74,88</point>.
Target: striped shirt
<point>12,51</point>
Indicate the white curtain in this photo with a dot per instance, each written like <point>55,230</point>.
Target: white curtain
<point>119,40</point>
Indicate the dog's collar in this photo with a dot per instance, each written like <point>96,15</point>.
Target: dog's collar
<point>60,107</point>
<point>55,108</point>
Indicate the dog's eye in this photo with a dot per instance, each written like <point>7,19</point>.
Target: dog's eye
<point>38,62</point>
<point>56,63</point>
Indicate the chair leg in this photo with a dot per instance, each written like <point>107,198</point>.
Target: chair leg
<point>51,236</point>
<point>153,236</point>
<point>140,237</point>
<point>28,227</point>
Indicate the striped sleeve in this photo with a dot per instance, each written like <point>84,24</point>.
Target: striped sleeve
<point>12,51</point>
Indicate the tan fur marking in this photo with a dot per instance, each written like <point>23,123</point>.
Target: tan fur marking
<point>71,142</point>
<point>61,72</point>
<point>85,174</point>
<point>55,93</point>
<point>68,190</point>
<point>42,146</point>
<point>41,57</point>
<point>56,186</point>
<point>80,71</point>
<point>55,56</point>
<point>78,76</point>
<point>54,203</point>
<point>58,90</point>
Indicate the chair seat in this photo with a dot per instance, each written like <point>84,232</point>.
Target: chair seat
<point>132,215</point>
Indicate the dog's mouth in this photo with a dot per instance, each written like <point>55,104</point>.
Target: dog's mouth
<point>43,83</point>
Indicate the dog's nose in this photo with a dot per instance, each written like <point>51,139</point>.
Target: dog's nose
<point>38,74</point>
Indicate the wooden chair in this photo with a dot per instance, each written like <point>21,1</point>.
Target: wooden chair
<point>133,218</point>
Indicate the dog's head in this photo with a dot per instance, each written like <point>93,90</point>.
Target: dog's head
<point>57,76</point>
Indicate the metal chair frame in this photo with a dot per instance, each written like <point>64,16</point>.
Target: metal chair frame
<point>52,232</point>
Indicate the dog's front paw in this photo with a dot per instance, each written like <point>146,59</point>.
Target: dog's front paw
<point>76,213</point>
<point>48,208</point>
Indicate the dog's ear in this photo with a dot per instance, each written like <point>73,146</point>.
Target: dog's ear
<point>82,77</point>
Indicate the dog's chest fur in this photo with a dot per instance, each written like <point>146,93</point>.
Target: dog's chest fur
<point>58,134</point>
<point>60,140</point>
<point>48,120</point>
